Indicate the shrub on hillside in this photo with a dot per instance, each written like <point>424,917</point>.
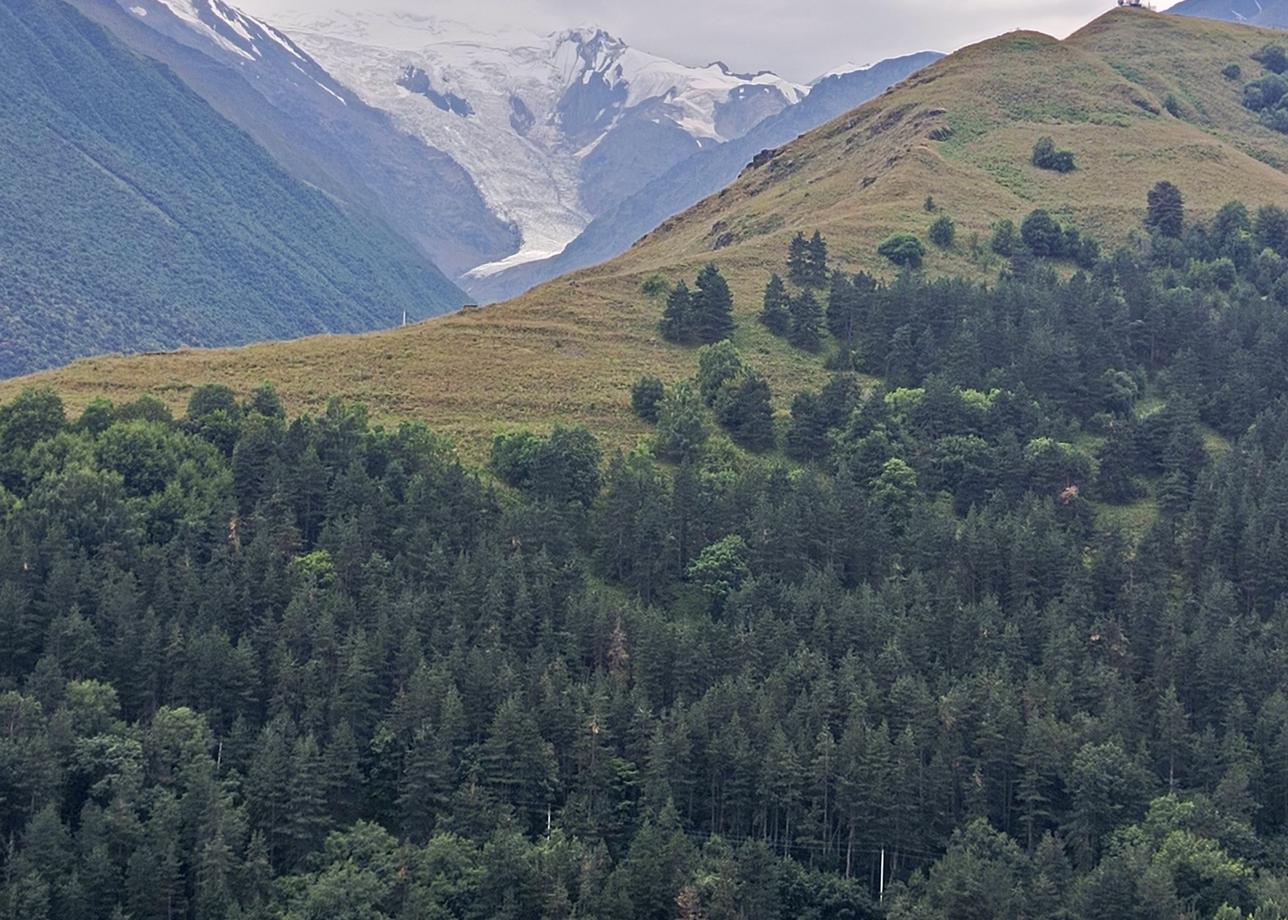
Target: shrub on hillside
<point>1265,93</point>
<point>1046,156</point>
<point>1272,57</point>
<point>1004,238</point>
<point>903,249</point>
<point>1042,234</point>
<point>943,232</point>
<point>645,396</point>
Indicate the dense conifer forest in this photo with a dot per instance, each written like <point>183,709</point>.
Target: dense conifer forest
<point>994,625</point>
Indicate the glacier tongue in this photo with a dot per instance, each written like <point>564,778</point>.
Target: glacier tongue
<point>554,129</point>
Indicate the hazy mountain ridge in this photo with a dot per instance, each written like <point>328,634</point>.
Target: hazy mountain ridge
<point>136,218</point>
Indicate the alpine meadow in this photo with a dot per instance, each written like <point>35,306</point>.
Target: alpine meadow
<point>899,533</point>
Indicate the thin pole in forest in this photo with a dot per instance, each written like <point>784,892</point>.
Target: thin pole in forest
<point>881,883</point>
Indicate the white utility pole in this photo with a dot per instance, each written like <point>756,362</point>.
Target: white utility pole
<point>881,884</point>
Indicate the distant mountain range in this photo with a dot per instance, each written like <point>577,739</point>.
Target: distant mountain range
<point>134,217</point>
<point>491,152</point>
<point>555,129</point>
<point>315,127</point>
<point>1268,13</point>
<point>328,174</point>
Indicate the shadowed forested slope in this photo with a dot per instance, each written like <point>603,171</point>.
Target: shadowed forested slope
<point>133,217</point>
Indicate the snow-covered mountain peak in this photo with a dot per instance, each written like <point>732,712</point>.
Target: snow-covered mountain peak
<point>482,143</point>
<point>227,26</point>
<point>847,68</point>
<point>553,128</point>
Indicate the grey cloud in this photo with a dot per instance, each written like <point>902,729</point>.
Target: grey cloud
<point>799,40</point>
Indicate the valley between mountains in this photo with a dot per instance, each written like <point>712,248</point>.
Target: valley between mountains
<point>1139,96</point>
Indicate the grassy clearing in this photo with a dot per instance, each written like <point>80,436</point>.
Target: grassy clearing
<point>1134,520</point>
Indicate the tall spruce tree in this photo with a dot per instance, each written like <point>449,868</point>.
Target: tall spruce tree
<point>677,319</point>
<point>774,314</point>
<point>1165,213</point>
<point>712,307</point>
<point>798,261</point>
<point>807,322</point>
<point>816,261</point>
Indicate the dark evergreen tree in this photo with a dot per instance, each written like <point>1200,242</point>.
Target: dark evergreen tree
<point>943,232</point>
<point>817,272</point>
<point>678,320</point>
<point>712,307</point>
<point>806,322</point>
<point>774,314</point>
<point>798,261</point>
<point>1166,212</point>
<point>1042,235</point>
<point>743,408</point>
<point>645,396</point>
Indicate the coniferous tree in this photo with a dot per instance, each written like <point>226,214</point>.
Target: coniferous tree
<point>842,305</point>
<point>798,261</point>
<point>774,314</point>
<point>678,318</point>
<point>712,307</point>
<point>1042,235</point>
<point>743,408</point>
<point>816,261</point>
<point>645,396</point>
<point>806,322</point>
<point>943,232</point>
<point>807,433</point>
<point>1166,212</point>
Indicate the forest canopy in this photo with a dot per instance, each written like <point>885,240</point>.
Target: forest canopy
<point>992,625</point>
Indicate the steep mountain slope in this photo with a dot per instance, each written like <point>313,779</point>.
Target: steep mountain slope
<point>554,129</point>
<point>961,131</point>
<point>317,129</point>
<point>559,129</point>
<point>703,174</point>
<point>1268,13</point>
<point>134,217</point>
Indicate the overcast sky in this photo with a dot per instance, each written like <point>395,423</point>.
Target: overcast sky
<point>797,38</point>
